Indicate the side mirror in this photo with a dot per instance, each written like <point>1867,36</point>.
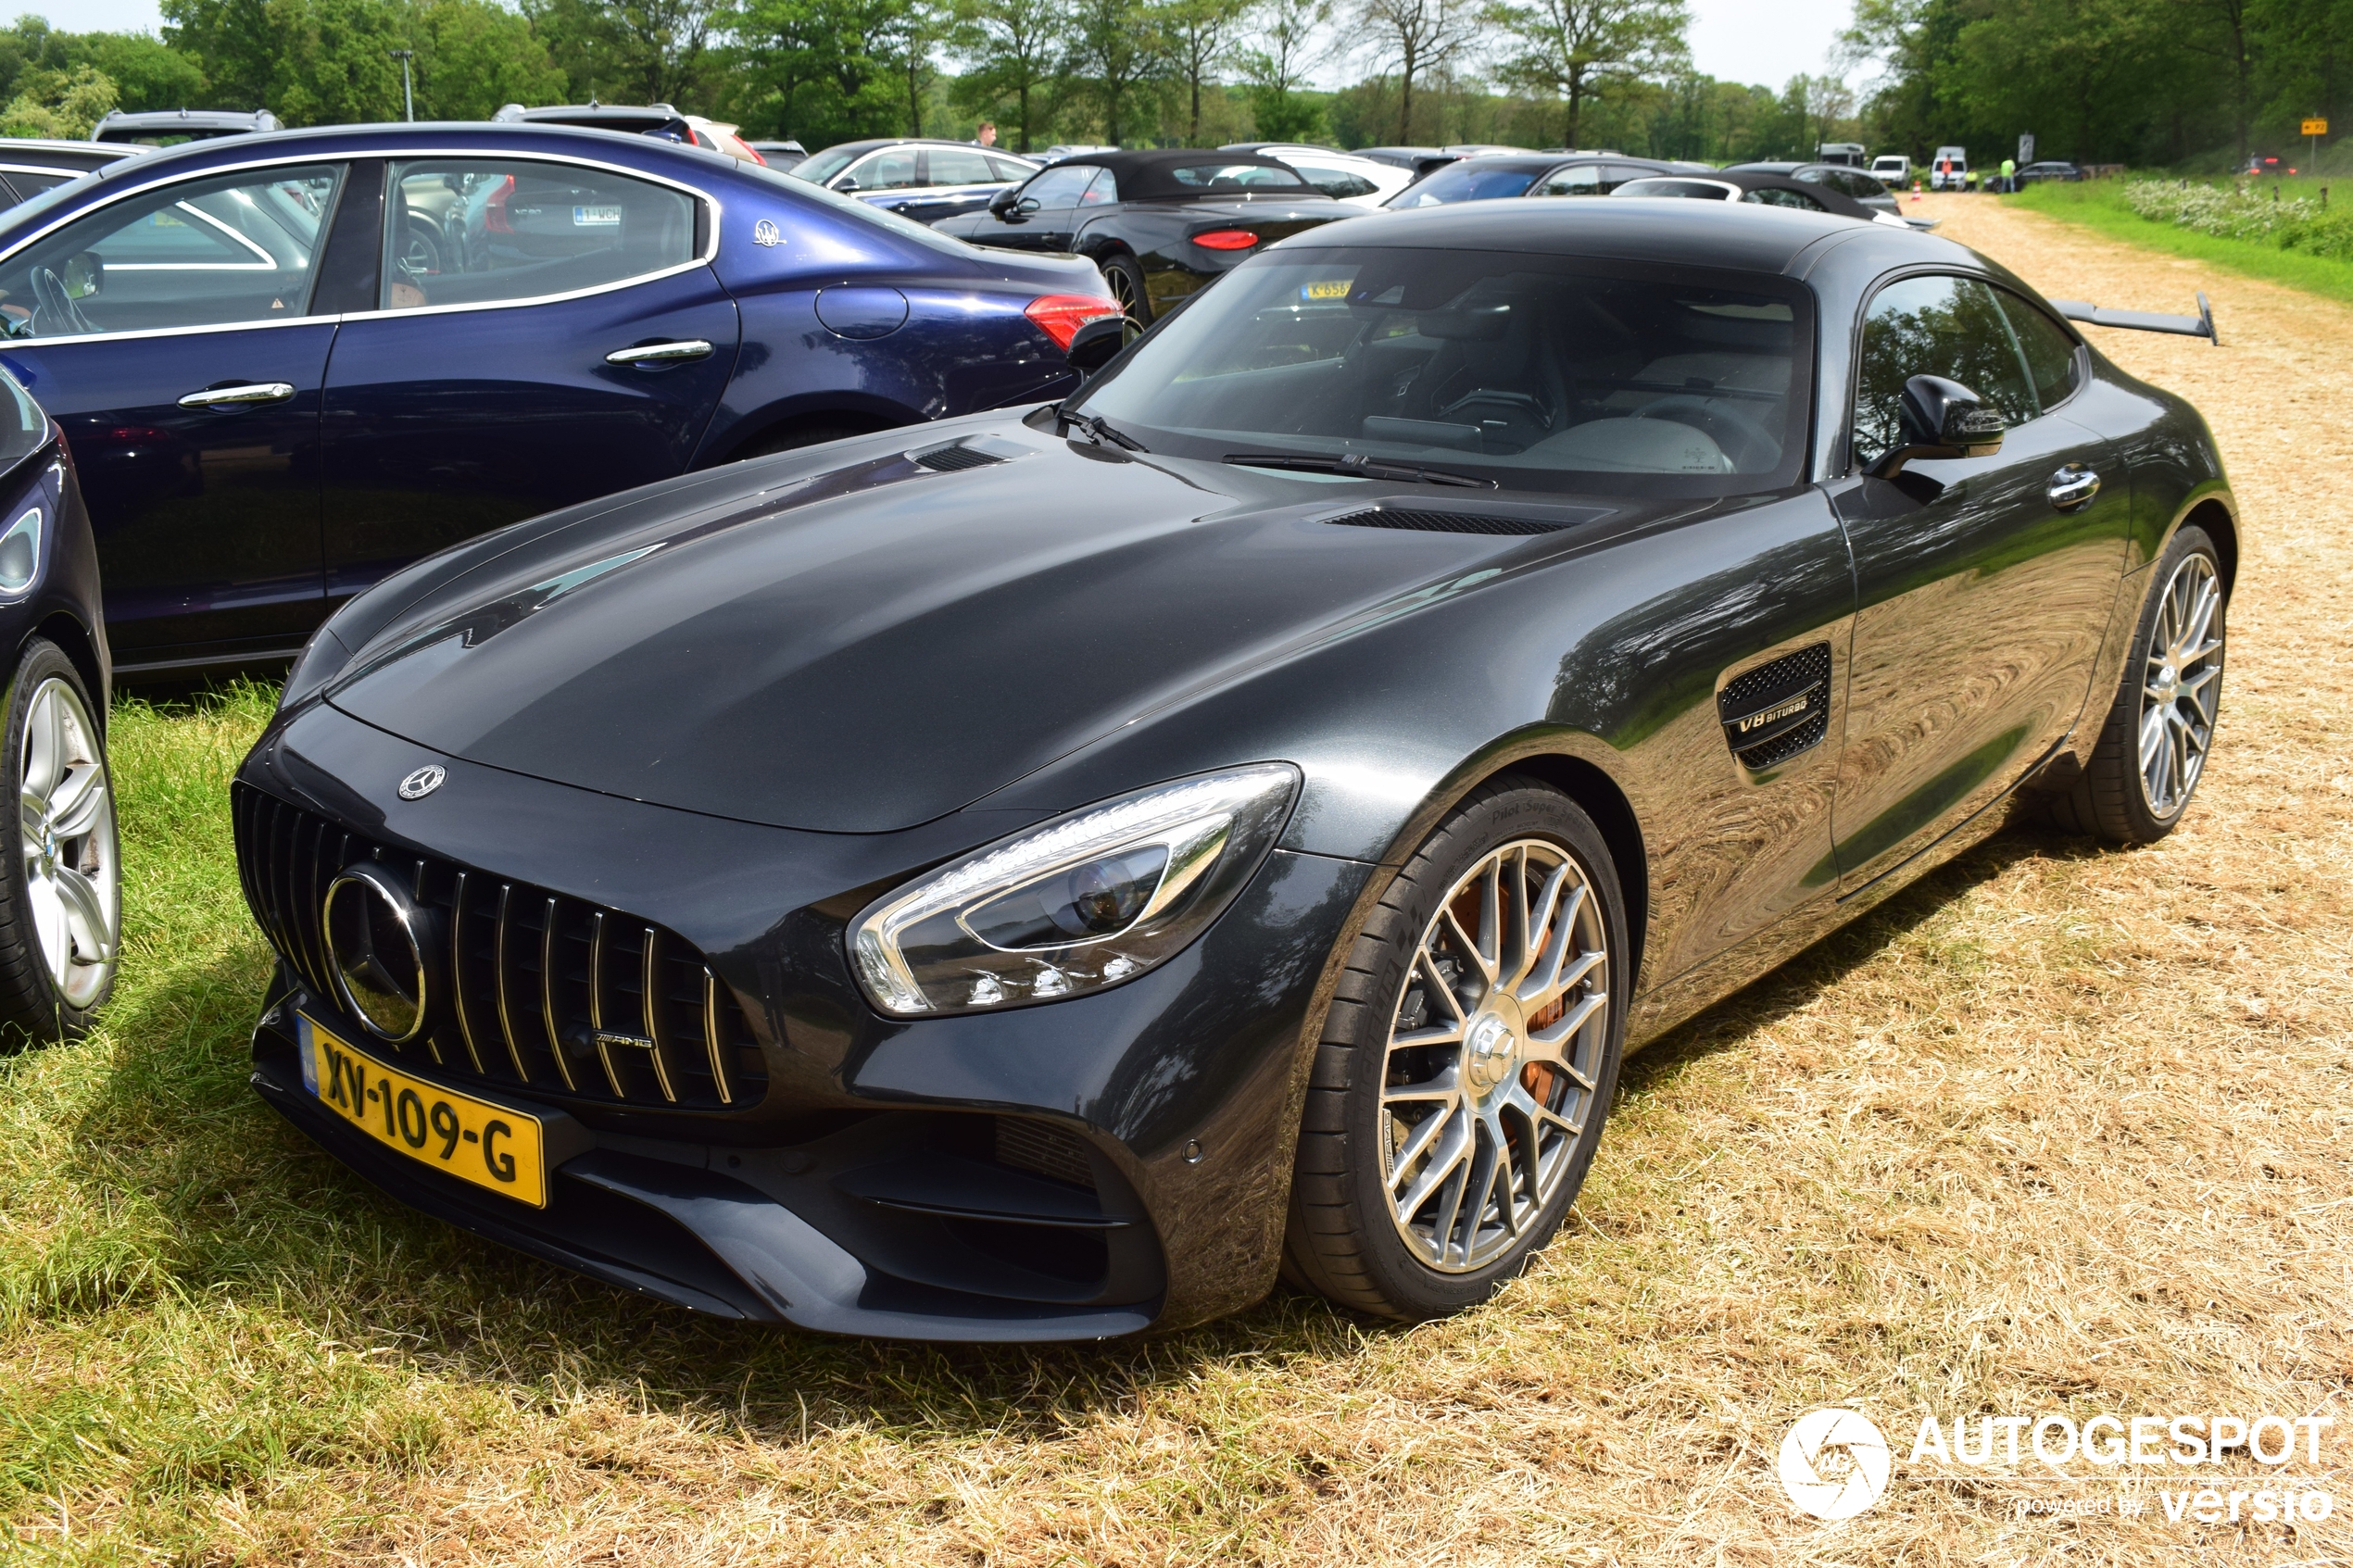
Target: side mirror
<point>1940,419</point>
<point>1002,204</point>
<point>1098,342</point>
<point>846,185</point>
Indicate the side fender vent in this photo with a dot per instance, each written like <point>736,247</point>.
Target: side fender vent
<point>950,460</point>
<point>1450,522</point>
<point>1778,710</point>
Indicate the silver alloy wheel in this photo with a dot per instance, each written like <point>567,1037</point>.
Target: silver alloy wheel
<point>1123,291</point>
<point>1493,1051</point>
<point>72,870</point>
<point>2179,686</point>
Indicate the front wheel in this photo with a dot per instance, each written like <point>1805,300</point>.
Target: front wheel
<point>1466,1062</point>
<point>61,894</point>
<point>2153,744</point>
<point>1126,280</point>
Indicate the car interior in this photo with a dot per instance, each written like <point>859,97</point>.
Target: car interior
<point>471,232</point>
<point>1451,359</point>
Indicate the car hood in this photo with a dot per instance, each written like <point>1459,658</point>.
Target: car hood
<point>864,646</point>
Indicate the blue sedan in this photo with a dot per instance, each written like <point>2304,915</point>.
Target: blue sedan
<point>288,364</point>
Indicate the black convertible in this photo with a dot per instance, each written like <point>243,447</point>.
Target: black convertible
<point>1038,875</point>
<point>1158,224</point>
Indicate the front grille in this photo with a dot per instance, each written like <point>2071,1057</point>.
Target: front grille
<point>545,992</point>
<point>1447,523</point>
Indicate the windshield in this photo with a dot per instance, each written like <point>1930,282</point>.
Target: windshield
<point>1696,190</point>
<point>1536,372</point>
<point>821,167</point>
<point>1467,180</point>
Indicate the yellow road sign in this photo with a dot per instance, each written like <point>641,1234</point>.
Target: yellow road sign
<point>2314,128</point>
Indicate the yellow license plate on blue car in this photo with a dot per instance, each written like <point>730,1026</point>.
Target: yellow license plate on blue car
<point>490,1145</point>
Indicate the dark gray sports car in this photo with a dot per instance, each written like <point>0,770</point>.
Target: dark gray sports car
<point>1039,876</point>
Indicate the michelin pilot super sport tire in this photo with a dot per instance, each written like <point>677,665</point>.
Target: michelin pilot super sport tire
<point>1466,1064</point>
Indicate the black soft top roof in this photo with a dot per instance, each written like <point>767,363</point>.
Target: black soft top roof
<point>1151,176</point>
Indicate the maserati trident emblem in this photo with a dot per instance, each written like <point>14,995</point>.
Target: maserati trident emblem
<point>424,782</point>
<point>764,233</point>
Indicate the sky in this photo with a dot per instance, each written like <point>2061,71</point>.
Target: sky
<point>1746,40</point>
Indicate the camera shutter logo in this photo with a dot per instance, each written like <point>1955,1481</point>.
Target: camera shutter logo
<point>1833,1463</point>
<point>424,782</point>
<point>764,233</point>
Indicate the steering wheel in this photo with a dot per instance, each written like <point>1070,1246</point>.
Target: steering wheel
<point>1751,445</point>
<point>54,312</point>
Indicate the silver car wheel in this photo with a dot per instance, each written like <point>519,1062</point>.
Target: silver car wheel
<point>72,869</point>
<point>1494,1048</point>
<point>2181,686</point>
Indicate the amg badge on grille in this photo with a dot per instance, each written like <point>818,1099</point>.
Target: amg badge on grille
<point>1778,710</point>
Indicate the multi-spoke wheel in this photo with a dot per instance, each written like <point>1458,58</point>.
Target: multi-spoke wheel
<point>1126,280</point>
<point>2153,744</point>
<point>60,907</point>
<point>1467,1064</point>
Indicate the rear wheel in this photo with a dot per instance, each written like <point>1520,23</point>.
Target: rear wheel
<point>2153,743</point>
<point>1466,1064</point>
<point>60,895</point>
<point>1126,280</point>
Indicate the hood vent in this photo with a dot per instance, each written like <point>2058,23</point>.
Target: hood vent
<point>950,460</point>
<point>1453,522</point>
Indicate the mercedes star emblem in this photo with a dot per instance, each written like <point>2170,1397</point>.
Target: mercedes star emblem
<point>424,782</point>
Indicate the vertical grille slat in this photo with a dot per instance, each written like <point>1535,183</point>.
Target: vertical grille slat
<point>575,968</point>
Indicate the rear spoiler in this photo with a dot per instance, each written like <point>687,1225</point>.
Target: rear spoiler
<point>2199,325</point>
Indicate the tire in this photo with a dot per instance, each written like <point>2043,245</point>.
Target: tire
<point>1126,280</point>
<point>2127,795</point>
<point>1409,1097</point>
<point>61,892</point>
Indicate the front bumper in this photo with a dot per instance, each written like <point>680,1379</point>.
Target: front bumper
<point>1076,1170</point>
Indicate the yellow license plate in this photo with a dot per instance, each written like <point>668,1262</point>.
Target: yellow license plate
<point>490,1146</point>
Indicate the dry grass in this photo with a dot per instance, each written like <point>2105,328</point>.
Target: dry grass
<point>2058,1130</point>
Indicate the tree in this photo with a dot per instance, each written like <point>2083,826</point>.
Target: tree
<point>1014,50</point>
<point>913,39</point>
<point>1200,35</point>
<point>57,103</point>
<point>1119,48</point>
<point>1415,37</point>
<point>1576,51</point>
<point>329,62</point>
<point>1287,31</point>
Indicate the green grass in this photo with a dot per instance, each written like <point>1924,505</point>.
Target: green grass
<point>2099,204</point>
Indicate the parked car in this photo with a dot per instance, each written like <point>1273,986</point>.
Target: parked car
<point>923,180</point>
<point>1948,170</point>
<point>1841,155</point>
<point>1414,160</point>
<point>661,120</point>
<point>30,166</point>
<point>61,892</point>
<point>565,313</point>
<point>780,156</point>
<point>1062,150</point>
<point>172,128</point>
<point>1892,170</point>
<point>1160,225</point>
<point>1031,879</point>
<point>1359,181</point>
<point>1499,176</point>
<point>1853,184</point>
<point>2049,168</point>
<point>1760,188</point>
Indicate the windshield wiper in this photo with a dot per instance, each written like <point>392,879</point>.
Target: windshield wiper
<point>1101,429</point>
<point>1357,465</point>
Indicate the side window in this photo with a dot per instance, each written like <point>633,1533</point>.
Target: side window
<point>954,166</point>
<point>475,230</point>
<point>1774,195</point>
<point>1617,174</point>
<point>202,252</point>
<point>1862,187</point>
<point>1060,187</point>
<point>1101,191</point>
<point>1578,179</point>
<point>892,170</point>
<point>29,185</point>
<point>1006,168</point>
<point>1933,326</point>
<point>1337,183</point>
<point>2050,353</point>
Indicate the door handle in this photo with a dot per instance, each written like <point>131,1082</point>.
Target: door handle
<point>2072,486</point>
<point>227,397</point>
<point>660,353</point>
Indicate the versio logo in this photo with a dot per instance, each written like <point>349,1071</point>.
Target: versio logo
<point>1833,1463</point>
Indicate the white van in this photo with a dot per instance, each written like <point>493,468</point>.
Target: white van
<point>1892,170</point>
<point>1948,170</point>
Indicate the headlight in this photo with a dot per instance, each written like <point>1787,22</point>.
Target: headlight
<point>21,552</point>
<point>1075,905</point>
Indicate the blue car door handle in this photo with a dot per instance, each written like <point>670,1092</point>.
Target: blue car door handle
<point>251,392</point>
<point>660,353</point>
